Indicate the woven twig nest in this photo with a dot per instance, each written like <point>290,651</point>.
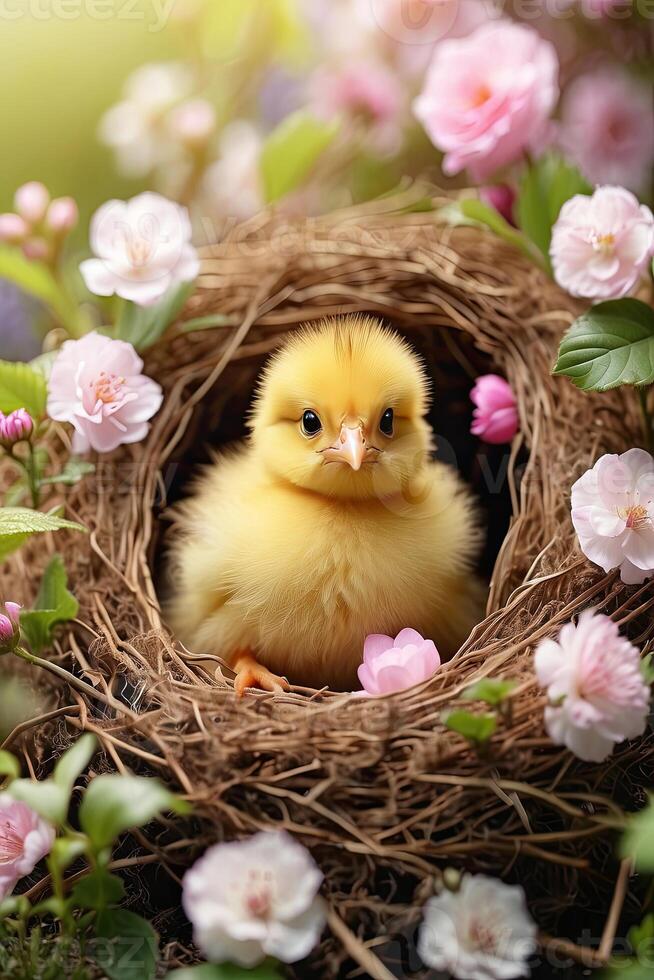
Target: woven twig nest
<point>384,795</point>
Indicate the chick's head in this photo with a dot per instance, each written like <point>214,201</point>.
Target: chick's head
<point>340,410</point>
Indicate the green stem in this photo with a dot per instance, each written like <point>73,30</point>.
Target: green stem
<point>647,417</point>
<point>30,467</point>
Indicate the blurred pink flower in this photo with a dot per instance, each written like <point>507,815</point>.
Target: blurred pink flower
<point>24,840</point>
<point>613,514</point>
<point>255,898</point>
<point>598,697</point>
<point>488,97</point>
<point>9,628</point>
<point>233,186</point>
<point>144,249</point>
<point>31,201</point>
<point>607,128</point>
<point>502,198</point>
<point>98,386</point>
<point>193,122</point>
<point>495,419</point>
<point>13,228</point>
<point>601,245</point>
<point>15,427</point>
<point>395,665</point>
<point>62,215</point>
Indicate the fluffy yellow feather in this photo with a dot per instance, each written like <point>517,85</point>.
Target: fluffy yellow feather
<point>331,522</point>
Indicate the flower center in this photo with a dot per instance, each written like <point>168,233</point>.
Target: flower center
<point>259,893</point>
<point>604,244</point>
<point>481,95</point>
<point>11,845</point>
<point>107,387</point>
<point>481,937</point>
<point>139,250</point>
<point>636,517</point>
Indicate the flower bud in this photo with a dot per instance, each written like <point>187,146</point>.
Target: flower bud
<point>13,229</point>
<point>452,879</point>
<point>16,427</point>
<point>9,627</point>
<point>36,249</point>
<point>502,198</point>
<point>193,122</point>
<point>31,201</point>
<point>62,215</point>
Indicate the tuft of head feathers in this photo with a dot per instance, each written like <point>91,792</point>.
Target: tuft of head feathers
<point>348,370</point>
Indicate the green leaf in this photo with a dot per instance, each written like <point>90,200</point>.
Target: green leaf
<point>491,690</point>
<point>478,728</point>
<point>647,668</point>
<point>475,212</point>
<point>611,344</point>
<point>36,279</point>
<point>22,387</point>
<point>18,523</point>
<point>74,761</point>
<point>98,890</point>
<point>545,187</point>
<point>9,765</point>
<point>65,850</point>
<point>638,840</point>
<point>291,151</point>
<point>54,605</point>
<point>131,952</point>
<point>142,326</point>
<point>226,971</point>
<point>113,804</point>
<point>49,800</point>
<point>74,471</point>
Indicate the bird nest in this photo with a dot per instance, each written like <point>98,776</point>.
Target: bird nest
<point>384,795</point>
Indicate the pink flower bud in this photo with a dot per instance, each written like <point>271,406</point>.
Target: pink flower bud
<point>62,215</point>
<point>16,427</point>
<point>13,611</point>
<point>13,228</point>
<point>193,122</point>
<point>36,249</point>
<point>9,628</point>
<point>31,201</point>
<point>502,198</point>
<point>495,418</point>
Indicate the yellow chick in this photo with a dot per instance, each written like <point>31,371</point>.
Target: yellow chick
<point>331,522</point>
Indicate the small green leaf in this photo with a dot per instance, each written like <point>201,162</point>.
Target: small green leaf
<point>647,668</point>
<point>131,951</point>
<point>98,890</point>
<point>226,971</point>
<point>113,804</point>
<point>74,471</point>
<point>54,605</point>
<point>638,840</point>
<point>291,151</point>
<point>9,765</point>
<point>22,387</point>
<point>74,761</point>
<point>491,690</point>
<point>611,344</point>
<point>142,326</point>
<point>65,850</point>
<point>478,728</point>
<point>45,797</point>
<point>18,523</point>
<point>546,185</point>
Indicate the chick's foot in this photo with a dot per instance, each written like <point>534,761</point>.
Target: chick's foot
<point>250,673</point>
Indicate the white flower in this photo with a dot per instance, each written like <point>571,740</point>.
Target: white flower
<point>597,694</point>
<point>143,247</point>
<point>255,898</point>
<point>232,186</point>
<point>481,932</point>
<point>613,514</point>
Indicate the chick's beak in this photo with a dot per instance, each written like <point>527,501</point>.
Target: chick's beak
<point>350,447</point>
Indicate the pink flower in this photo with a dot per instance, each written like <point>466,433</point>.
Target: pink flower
<point>62,215</point>
<point>16,427</point>
<point>495,418</point>
<point>598,697</point>
<point>24,840</point>
<point>607,128</point>
<point>395,665</point>
<point>9,627</point>
<point>255,898</point>
<point>192,122</point>
<point>31,201</point>
<point>601,245</point>
<point>13,228</point>
<point>143,247</point>
<point>98,386</point>
<point>487,97</point>
<point>613,514</point>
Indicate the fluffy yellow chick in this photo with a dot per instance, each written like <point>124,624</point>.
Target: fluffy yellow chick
<point>331,522</point>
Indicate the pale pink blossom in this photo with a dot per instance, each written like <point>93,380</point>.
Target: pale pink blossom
<point>143,248</point>
<point>601,245</point>
<point>24,840</point>
<point>487,97</point>
<point>391,665</point>
<point>495,418</point>
<point>233,186</point>
<point>13,228</point>
<point>597,694</point>
<point>15,427</point>
<point>98,386</point>
<point>193,122</point>
<point>255,898</point>
<point>62,215</point>
<point>607,128</point>
<point>483,931</point>
<point>31,201</point>
<point>9,627</point>
<point>613,514</point>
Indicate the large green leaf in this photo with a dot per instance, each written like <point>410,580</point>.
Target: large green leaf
<point>545,187</point>
<point>113,804</point>
<point>142,326</point>
<point>54,605</point>
<point>44,796</point>
<point>17,524</point>
<point>131,950</point>
<point>291,151</point>
<point>611,344</point>
<point>22,387</point>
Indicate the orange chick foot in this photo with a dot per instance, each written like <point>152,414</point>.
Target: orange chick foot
<point>250,673</point>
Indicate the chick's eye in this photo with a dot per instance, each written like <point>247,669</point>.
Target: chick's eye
<point>311,424</point>
<point>386,423</point>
